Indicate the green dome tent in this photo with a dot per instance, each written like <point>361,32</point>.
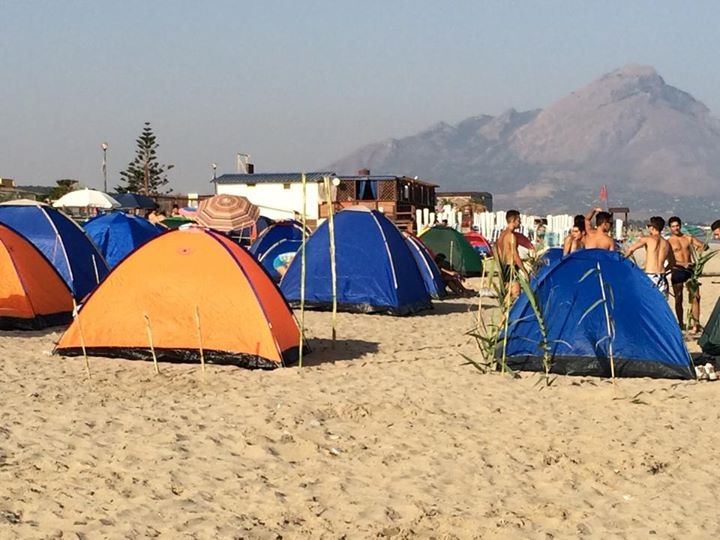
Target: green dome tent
<point>710,339</point>
<point>456,248</point>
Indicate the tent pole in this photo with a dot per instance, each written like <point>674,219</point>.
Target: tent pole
<point>200,343</point>
<point>302,270</point>
<point>150,341</point>
<point>76,315</point>
<point>608,323</point>
<point>333,269</point>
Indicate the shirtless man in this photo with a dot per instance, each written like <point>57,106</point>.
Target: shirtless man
<point>682,247</point>
<point>658,253</point>
<point>506,253</point>
<point>598,237</point>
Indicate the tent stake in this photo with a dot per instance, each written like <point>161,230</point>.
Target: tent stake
<point>202,354</point>
<point>152,346</point>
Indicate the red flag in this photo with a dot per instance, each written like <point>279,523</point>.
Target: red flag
<point>603,193</point>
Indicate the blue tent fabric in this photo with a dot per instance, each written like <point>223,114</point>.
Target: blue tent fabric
<point>278,258</point>
<point>376,271</point>
<point>275,247</point>
<point>434,284</point>
<point>276,232</point>
<point>647,339</point>
<point>117,234</point>
<point>62,241</point>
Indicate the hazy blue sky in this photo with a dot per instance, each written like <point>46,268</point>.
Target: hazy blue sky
<point>299,84</point>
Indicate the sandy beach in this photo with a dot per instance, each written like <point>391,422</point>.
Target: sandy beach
<point>391,435</point>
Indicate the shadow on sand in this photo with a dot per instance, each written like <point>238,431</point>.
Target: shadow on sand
<point>452,305</point>
<point>345,349</point>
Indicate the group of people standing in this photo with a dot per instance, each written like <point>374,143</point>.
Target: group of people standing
<point>674,256</point>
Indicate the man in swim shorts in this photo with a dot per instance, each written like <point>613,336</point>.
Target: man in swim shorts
<point>507,255</point>
<point>658,254</point>
<point>684,247</point>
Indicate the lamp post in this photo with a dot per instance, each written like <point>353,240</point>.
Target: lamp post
<point>104,147</point>
<point>214,168</point>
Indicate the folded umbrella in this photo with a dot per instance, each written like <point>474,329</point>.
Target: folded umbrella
<point>226,213</point>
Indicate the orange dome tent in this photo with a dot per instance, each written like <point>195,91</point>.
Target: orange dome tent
<point>32,293</point>
<point>187,290</point>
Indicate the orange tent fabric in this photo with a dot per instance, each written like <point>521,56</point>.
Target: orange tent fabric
<point>187,290</point>
<point>32,293</point>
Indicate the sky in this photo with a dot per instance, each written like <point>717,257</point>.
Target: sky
<point>301,84</point>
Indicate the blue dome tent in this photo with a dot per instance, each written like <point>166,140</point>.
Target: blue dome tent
<point>62,241</point>
<point>434,284</point>
<point>276,246</point>
<point>117,234</point>
<point>376,271</point>
<point>647,340</point>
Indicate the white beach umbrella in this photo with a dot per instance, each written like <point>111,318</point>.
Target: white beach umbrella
<point>86,198</point>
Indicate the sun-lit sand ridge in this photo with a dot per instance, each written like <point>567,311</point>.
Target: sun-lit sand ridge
<point>389,434</point>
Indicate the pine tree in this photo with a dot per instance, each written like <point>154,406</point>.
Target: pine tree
<point>144,174</point>
<point>64,186</point>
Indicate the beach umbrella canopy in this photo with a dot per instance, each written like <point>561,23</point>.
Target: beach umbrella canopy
<point>523,241</point>
<point>227,213</point>
<point>134,200</point>
<point>86,198</point>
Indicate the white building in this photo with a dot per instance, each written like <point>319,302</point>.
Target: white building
<point>278,195</point>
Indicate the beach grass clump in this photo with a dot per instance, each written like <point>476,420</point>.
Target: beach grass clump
<point>700,259</point>
<point>492,336</point>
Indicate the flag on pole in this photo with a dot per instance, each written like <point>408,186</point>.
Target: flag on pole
<point>603,193</point>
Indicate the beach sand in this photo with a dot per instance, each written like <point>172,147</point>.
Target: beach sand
<point>391,435</point>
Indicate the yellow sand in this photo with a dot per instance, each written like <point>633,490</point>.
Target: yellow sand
<point>388,435</point>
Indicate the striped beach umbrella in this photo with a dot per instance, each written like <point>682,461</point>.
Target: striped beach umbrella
<point>226,213</point>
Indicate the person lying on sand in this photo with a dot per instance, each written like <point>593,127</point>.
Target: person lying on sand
<point>452,279</point>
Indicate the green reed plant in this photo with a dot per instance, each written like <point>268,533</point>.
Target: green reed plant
<point>492,336</point>
<point>487,333</point>
<point>700,259</point>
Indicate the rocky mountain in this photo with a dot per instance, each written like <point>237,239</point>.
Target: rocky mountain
<point>655,147</point>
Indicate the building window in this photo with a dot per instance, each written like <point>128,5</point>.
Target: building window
<point>251,185</point>
<point>286,186</point>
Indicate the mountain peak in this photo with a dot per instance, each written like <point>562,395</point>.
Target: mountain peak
<point>628,129</point>
<point>636,71</point>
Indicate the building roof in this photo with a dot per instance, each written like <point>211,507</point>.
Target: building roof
<point>463,193</point>
<point>296,177</point>
<point>271,178</point>
<point>357,178</point>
